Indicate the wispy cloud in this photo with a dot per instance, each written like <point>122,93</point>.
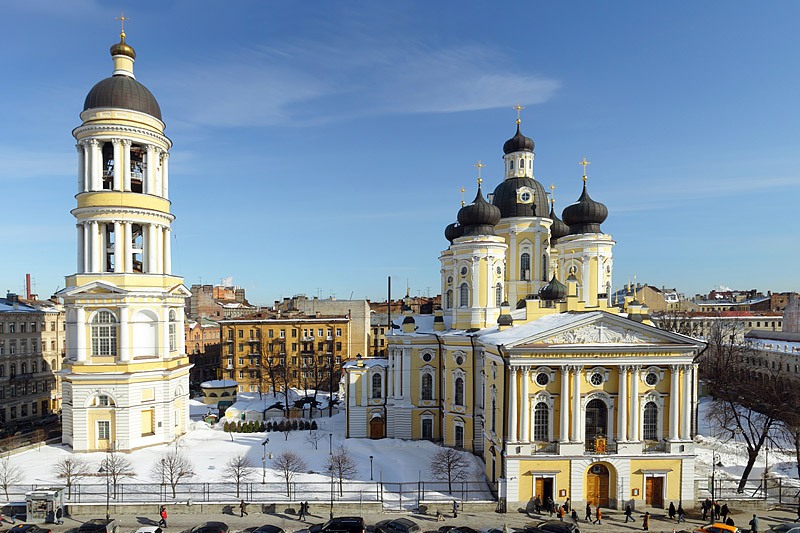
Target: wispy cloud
<point>21,164</point>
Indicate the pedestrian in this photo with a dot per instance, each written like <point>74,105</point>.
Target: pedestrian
<point>575,517</point>
<point>550,506</point>
<point>439,516</point>
<point>588,512</point>
<point>162,513</point>
<point>302,515</point>
<point>537,504</point>
<point>567,505</point>
<point>560,513</point>
<point>242,508</point>
<point>671,511</point>
<point>681,513</point>
<point>704,507</point>
<point>724,512</point>
<point>754,524</point>
<point>598,514</point>
<point>729,522</point>
<point>629,514</point>
<point>306,511</point>
<point>455,509</point>
<point>59,514</point>
<point>646,522</point>
<point>717,511</point>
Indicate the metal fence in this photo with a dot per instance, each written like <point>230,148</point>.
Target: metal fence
<point>775,491</point>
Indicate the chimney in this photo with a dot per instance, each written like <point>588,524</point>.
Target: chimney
<point>27,286</point>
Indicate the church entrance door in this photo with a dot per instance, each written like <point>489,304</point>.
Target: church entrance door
<point>376,428</point>
<point>597,480</point>
<point>544,488</point>
<point>654,492</point>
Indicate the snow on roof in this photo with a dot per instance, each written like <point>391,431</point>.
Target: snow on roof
<point>368,362</point>
<point>218,383</point>
<point>535,327</point>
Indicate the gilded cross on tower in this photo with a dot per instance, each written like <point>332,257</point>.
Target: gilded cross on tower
<point>479,166</point>
<point>584,163</point>
<point>122,18</point>
<point>463,190</point>
<point>519,109</point>
<point>552,194</point>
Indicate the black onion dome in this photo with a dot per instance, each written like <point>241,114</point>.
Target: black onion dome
<point>555,290</point>
<point>505,320</point>
<point>479,217</point>
<point>505,198</point>
<point>518,143</point>
<point>585,215</point>
<point>123,92</point>
<point>453,231</point>
<point>558,229</point>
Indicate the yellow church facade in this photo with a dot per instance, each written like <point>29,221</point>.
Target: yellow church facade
<point>126,375</point>
<point>562,396</point>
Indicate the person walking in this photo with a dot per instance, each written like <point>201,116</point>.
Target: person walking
<point>598,516</point>
<point>439,516</point>
<point>242,508</point>
<point>59,514</point>
<point>550,506</point>
<point>567,506</point>
<point>717,511</point>
<point>724,512</point>
<point>629,514</point>
<point>704,507</point>
<point>560,513</point>
<point>575,517</point>
<point>162,513</point>
<point>537,504</point>
<point>455,509</point>
<point>754,524</point>
<point>681,513</point>
<point>671,511</point>
<point>646,522</point>
<point>302,515</point>
<point>588,512</point>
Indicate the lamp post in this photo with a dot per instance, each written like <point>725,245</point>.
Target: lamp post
<point>104,470</point>
<point>330,443</point>
<point>163,473</point>
<point>715,462</point>
<point>370,467</point>
<point>264,461</point>
<point>330,454</point>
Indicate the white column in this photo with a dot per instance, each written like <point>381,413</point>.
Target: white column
<point>511,267</point>
<point>87,246</point>
<point>117,164</point>
<point>673,402</point>
<point>125,160</point>
<point>686,402</point>
<point>526,408</point>
<point>159,250</point>
<point>167,251</point>
<point>80,333</point>
<point>128,233</point>
<point>96,165</point>
<point>165,173</point>
<point>81,248</point>
<point>81,168</point>
<point>633,434</point>
<point>396,371</point>
<point>564,409</point>
<point>536,270</point>
<point>622,418</point>
<point>93,246</point>
<point>124,337</point>
<point>512,406</point>
<point>151,249</point>
<point>164,352</point>
<point>577,434</point>
<point>150,173</point>
<point>119,240</point>
<point>182,331</point>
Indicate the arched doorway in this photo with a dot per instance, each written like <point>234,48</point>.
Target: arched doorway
<point>597,483</point>
<point>376,427</point>
<point>596,423</point>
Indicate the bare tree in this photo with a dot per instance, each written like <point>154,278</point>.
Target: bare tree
<point>115,467</point>
<point>314,437</point>
<point>341,464</point>
<point>289,464</point>
<point>449,464</point>
<point>238,469</point>
<point>10,474</point>
<point>71,469</point>
<point>677,322</point>
<point>171,469</point>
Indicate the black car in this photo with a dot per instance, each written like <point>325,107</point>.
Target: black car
<point>266,528</point>
<point>344,524</point>
<point>398,525</point>
<point>210,527</point>
<point>27,528</point>
<point>552,526</point>
<point>99,525</point>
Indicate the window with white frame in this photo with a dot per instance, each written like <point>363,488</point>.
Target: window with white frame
<point>459,391</point>
<point>426,392</point>
<point>448,299</point>
<point>103,429</point>
<point>525,266</point>
<point>377,385</point>
<point>498,295</point>
<point>541,422</point>
<point>463,295</point>
<point>104,333</point>
<point>650,421</point>
<point>427,428</point>
<point>173,330</point>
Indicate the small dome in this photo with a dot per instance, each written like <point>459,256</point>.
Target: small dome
<point>479,217</point>
<point>408,320</point>
<point>506,198</point>
<point>123,48</point>
<point>553,291</point>
<point>558,229</point>
<point>518,143</point>
<point>453,231</point>
<point>585,215</point>
<point>505,320</point>
<point>122,92</point>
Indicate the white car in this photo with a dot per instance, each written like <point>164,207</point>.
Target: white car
<point>149,529</point>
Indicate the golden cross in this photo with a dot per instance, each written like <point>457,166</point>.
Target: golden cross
<point>519,109</point>
<point>552,192</point>
<point>462,196</point>
<point>584,163</point>
<point>122,18</point>
<point>479,166</point>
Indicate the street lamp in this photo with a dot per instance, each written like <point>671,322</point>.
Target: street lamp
<point>264,461</point>
<point>105,470</point>
<point>330,443</point>
<point>715,462</point>
<point>370,467</point>
<point>163,472</point>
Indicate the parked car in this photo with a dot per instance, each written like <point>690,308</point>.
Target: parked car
<point>27,528</point>
<point>551,526</point>
<point>149,529</point>
<point>210,527</point>
<point>789,527</point>
<point>718,527</point>
<point>99,525</point>
<point>398,525</point>
<point>344,524</point>
<point>266,528</point>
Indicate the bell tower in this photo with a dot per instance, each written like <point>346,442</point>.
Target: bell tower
<point>126,375</point>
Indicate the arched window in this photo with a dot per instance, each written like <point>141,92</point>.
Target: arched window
<point>173,331</point>
<point>12,370</point>
<point>448,299</point>
<point>377,383</point>
<point>459,391</point>
<point>498,295</point>
<point>104,334</point>
<point>541,422</point>
<point>511,164</point>
<point>463,296</point>
<point>34,367</point>
<point>23,367</point>
<point>427,386</point>
<point>525,266</point>
<point>545,273</point>
<point>650,421</point>
<point>2,371</point>
<point>522,164</point>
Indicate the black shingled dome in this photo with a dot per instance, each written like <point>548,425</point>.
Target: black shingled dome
<point>585,215</point>
<point>122,92</point>
<point>518,143</point>
<point>558,229</point>
<point>479,217</point>
<point>453,231</point>
<point>553,291</point>
<point>505,198</point>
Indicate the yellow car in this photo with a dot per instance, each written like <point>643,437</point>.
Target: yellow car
<point>717,528</point>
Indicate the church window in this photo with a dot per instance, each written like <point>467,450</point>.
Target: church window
<point>545,273</point>
<point>377,385</point>
<point>521,164</point>
<point>459,396</point>
<point>34,367</point>
<point>448,299</point>
<point>464,271</point>
<point>427,386</point>
<point>511,164</point>
<point>650,421</point>
<point>596,379</point>
<point>525,266</point>
<point>104,334</point>
<point>463,297</point>
<point>459,436</point>
<point>651,378</point>
<point>530,164</point>
<point>541,422</point>
<point>2,371</point>
<point>427,357</point>
<point>498,295</point>
<point>173,331</point>
<point>542,379</point>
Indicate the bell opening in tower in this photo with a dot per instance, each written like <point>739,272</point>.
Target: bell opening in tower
<point>138,168</point>
<point>108,166</point>
<point>137,245</point>
<point>111,239</point>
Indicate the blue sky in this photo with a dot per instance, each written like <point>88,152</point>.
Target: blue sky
<point>320,147</point>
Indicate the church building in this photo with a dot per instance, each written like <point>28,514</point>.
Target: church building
<point>126,375</point>
<point>561,394</point>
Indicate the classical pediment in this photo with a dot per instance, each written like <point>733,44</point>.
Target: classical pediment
<point>95,287</point>
<point>601,333</point>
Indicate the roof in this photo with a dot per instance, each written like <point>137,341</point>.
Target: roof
<point>772,335</point>
<point>122,92</point>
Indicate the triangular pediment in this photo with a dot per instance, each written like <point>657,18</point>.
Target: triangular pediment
<point>95,287</point>
<point>180,290</point>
